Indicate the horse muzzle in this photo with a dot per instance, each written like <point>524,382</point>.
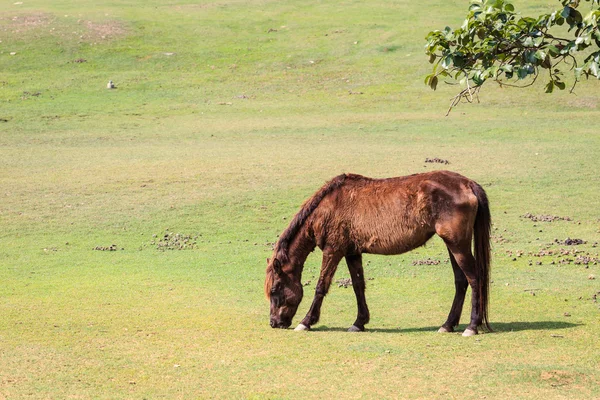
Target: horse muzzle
<point>280,324</point>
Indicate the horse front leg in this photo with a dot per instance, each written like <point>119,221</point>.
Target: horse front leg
<point>358,284</point>
<point>329,265</point>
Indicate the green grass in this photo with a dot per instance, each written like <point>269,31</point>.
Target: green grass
<point>82,166</point>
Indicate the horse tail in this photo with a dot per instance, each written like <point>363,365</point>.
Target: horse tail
<point>483,223</point>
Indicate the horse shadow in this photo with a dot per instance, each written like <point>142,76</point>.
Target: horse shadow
<point>498,327</point>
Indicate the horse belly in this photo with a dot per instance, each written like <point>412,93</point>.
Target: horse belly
<point>394,241</point>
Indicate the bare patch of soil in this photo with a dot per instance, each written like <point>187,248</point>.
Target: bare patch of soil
<point>584,102</point>
<point>557,378</point>
<point>103,30</point>
<point>82,30</point>
<point>24,22</point>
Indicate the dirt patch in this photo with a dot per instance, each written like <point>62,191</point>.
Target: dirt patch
<point>584,102</point>
<point>25,22</point>
<point>557,378</point>
<point>545,218</point>
<point>103,30</point>
<point>19,25</point>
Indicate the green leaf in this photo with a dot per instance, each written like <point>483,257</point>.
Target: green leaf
<point>433,83</point>
<point>540,55</point>
<point>446,61</point>
<point>550,87</point>
<point>546,63</point>
<point>594,69</point>
<point>528,42</point>
<point>553,50</point>
<point>560,85</point>
<point>576,15</point>
<point>522,72</point>
<point>475,7</point>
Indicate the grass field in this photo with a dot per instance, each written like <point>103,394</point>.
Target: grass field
<point>226,116</point>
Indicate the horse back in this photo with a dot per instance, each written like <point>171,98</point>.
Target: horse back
<point>393,215</point>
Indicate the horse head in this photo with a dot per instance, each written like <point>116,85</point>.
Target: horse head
<point>284,291</point>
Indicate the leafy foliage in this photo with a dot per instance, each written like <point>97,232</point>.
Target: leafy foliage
<point>495,43</point>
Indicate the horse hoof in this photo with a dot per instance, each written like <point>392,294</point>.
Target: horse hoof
<point>302,327</point>
<point>355,328</point>
<point>443,329</point>
<point>469,332</point>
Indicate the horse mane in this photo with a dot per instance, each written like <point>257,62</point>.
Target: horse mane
<point>308,207</point>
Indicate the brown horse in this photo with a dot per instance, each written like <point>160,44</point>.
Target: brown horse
<point>352,214</point>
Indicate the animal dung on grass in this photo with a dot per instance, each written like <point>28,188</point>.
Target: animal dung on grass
<point>436,161</point>
<point>112,247</point>
<point>545,217</point>
<point>427,261</point>
<point>174,241</point>
<point>344,282</point>
<point>570,242</point>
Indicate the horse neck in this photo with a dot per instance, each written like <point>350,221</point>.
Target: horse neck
<point>300,247</point>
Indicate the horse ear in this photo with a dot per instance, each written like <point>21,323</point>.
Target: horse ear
<point>277,266</point>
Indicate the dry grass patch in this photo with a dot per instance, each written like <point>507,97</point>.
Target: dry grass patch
<point>22,23</point>
<point>20,26</point>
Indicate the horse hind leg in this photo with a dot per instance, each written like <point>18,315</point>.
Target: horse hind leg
<point>358,284</point>
<point>466,262</point>
<point>460,285</point>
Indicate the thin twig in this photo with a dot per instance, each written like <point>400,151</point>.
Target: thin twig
<point>466,94</point>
